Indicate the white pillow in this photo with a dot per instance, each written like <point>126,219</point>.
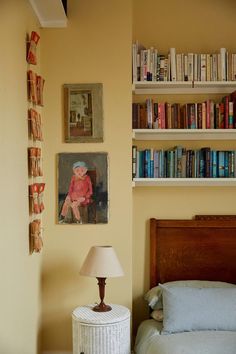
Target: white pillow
<point>196,309</point>
<point>154,295</point>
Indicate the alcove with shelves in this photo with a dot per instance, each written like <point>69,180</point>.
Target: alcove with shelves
<point>188,91</point>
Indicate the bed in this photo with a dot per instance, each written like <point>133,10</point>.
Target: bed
<point>195,260</point>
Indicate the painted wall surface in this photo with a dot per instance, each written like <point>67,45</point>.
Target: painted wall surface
<point>94,48</point>
<point>189,26</point>
<point>19,272</point>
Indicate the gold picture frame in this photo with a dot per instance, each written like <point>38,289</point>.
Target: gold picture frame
<point>83,113</point>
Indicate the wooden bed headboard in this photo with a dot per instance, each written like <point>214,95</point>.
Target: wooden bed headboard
<point>200,249</point>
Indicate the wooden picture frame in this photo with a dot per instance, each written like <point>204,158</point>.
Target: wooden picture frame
<point>83,113</point>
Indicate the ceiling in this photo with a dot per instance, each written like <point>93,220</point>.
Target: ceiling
<point>50,13</point>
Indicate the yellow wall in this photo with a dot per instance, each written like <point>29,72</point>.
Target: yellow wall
<point>95,47</point>
<point>20,273</point>
<point>189,26</point>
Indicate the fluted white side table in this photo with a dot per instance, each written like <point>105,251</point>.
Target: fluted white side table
<point>101,332</point>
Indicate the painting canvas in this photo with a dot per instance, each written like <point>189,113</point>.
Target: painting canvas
<point>83,113</point>
<point>82,188</point>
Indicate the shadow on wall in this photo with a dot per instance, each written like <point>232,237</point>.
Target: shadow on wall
<point>140,307</point>
<point>61,285</point>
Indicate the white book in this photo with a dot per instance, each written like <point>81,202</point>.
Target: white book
<point>154,77</point>
<point>208,68</point>
<point>203,67</point>
<point>173,64</point>
<point>219,71</point>
<point>190,67</point>
<point>179,67</point>
<point>185,67</point>
<point>223,64</point>
<point>195,66</point>
<point>233,67</point>
<point>144,64</point>
<point>214,67</point>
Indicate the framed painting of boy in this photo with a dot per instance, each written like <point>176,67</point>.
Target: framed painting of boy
<point>83,113</point>
<point>82,188</point>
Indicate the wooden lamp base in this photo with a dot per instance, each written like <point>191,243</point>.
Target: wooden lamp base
<point>102,307</point>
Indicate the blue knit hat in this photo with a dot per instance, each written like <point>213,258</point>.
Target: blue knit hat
<point>79,164</point>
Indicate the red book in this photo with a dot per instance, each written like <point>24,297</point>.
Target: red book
<point>226,111</point>
<point>208,114</point>
<point>161,115</point>
<point>233,99</point>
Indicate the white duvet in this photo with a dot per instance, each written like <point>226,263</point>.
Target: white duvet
<point>149,340</point>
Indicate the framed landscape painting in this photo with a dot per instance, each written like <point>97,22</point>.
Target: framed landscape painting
<point>83,113</point>
<point>82,188</point>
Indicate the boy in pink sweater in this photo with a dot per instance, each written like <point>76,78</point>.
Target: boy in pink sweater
<point>80,191</point>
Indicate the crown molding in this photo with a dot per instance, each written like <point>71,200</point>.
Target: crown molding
<point>50,13</point>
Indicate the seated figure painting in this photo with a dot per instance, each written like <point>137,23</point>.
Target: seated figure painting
<point>82,197</point>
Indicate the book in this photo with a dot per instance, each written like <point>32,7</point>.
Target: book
<point>223,68</point>
<point>134,161</point>
<point>221,164</point>
<point>173,64</point>
<point>203,67</point>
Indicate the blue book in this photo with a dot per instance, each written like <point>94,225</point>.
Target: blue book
<point>156,163</point>
<point>232,164</point>
<point>161,164</point>
<point>226,163</point>
<point>221,164</point>
<point>151,163</point>
<point>147,164</point>
<point>141,163</point>
<point>214,163</point>
<point>178,161</point>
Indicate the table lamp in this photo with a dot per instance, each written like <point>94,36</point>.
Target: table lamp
<point>101,262</point>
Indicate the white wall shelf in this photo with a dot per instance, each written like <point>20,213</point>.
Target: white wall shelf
<point>184,134</point>
<point>184,182</point>
<point>183,87</point>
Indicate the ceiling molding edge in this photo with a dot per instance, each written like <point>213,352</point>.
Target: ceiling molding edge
<point>49,23</point>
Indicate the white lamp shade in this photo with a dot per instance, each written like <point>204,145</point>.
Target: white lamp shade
<point>101,262</point>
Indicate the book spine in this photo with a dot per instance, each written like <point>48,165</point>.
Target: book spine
<point>203,67</point>
<point>173,64</point>
<point>221,164</point>
<point>223,63</point>
<point>190,67</point>
<point>214,163</point>
<point>134,161</point>
<point>231,115</point>
<point>231,164</point>
<point>226,163</point>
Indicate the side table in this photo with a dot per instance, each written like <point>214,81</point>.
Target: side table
<point>101,332</point>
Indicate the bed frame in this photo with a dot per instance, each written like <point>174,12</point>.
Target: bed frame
<point>200,249</point>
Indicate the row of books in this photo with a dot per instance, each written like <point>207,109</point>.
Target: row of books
<point>203,115</point>
<point>180,162</point>
<point>150,65</point>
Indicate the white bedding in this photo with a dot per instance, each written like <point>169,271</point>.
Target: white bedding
<point>149,340</point>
